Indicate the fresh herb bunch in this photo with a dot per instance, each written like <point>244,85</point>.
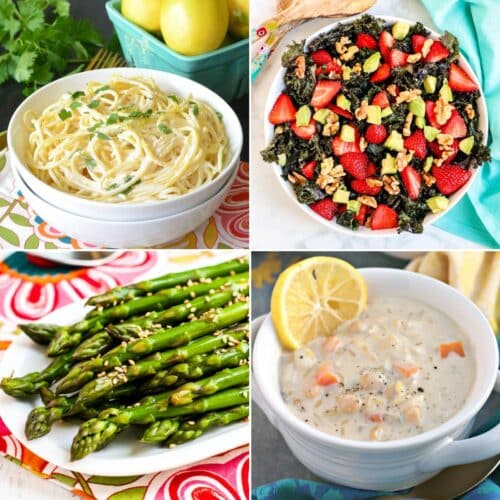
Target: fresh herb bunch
<point>39,40</point>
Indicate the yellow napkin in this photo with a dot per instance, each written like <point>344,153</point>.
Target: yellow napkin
<point>475,274</point>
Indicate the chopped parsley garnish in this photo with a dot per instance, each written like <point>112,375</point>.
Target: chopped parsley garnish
<point>102,89</point>
<point>77,94</point>
<point>75,105</point>
<point>174,98</point>
<point>112,186</point>
<point>64,114</point>
<point>95,126</point>
<point>132,186</point>
<point>219,116</point>
<point>196,109</point>
<point>164,129</point>
<point>113,118</point>
<point>103,137</point>
<point>94,104</point>
<point>89,161</point>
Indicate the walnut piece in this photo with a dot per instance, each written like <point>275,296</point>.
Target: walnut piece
<point>350,53</point>
<point>362,112</point>
<point>363,144</point>
<point>391,184</point>
<point>374,182</point>
<point>296,178</point>
<point>469,110</point>
<point>442,110</point>
<point>428,179</point>
<point>408,95</point>
<point>413,58</point>
<point>445,141</point>
<point>300,70</point>
<point>426,47</point>
<point>392,90</point>
<point>342,44</point>
<point>403,158</point>
<point>369,201</point>
<point>407,125</point>
<point>330,177</point>
<point>332,125</point>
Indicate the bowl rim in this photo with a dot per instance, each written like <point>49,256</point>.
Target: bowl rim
<point>231,162</point>
<point>364,232</point>
<point>125,224</point>
<point>446,429</point>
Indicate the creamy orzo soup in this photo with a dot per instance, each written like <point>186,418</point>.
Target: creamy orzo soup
<point>398,370</point>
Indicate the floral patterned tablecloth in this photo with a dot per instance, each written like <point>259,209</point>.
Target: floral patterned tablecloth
<point>30,288</point>
<point>21,227</point>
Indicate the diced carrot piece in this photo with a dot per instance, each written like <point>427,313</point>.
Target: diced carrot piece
<point>456,347</point>
<point>375,417</point>
<point>331,343</point>
<point>406,370</point>
<point>325,377</point>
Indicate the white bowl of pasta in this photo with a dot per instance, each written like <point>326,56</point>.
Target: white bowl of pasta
<point>125,144</point>
<point>120,234</point>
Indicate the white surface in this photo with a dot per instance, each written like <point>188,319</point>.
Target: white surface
<point>136,234</point>
<point>17,138</point>
<point>277,222</point>
<point>126,456</point>
<point>372,465</point>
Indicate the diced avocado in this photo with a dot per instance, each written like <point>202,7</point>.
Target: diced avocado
<point>438,203</point>
<point>417,106</point>
<point>343,102</point>
<point>303,116</point>
<point>347,133</point>
<point>282,159</point>
<point>466,145</point>
<point>420,121</point>
<point>400,30</point>
<point>445,92</point>
<point>386,112</point>
<point>353,206</point>
<point>321,115</point>
<point>394,141</point>
<point>430,83</point>
<point>428,163</point>
<point>372,63</point>
<point>341,196</point>
<point>374,115</point>
<point>346,72</point>
<point>389,165</point>
<point>431,133</point>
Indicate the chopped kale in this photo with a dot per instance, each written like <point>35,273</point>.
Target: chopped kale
<point>308,193</point>
<point>300,89</point>
<point>396,120</point>
<point>294,50</point>
<point>347,219</point>
<point>451,43</point>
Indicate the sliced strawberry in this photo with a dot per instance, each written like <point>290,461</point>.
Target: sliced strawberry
<point>366,41</point>
<point>362,187</point>
<point>386,42</point>
<point>381,99</point>
<point>341,111</point>
<point>308,170</point>
<point>384,217</point>
<point>417,42</point>
<point>417,143</point>
<point>455,125</point>
<point>325,207</point>
<point>304,132</point>
<point>376,134</point>
<point>434,147</point>
<point>340,147</point>
<point>412,181</point>
<point>381,74</point>
<point>372,169</point>
<point>321,57</point>
<point>324,92</point>
<point>363,213</point>
<point>450,178</point>
<point>331,67</point>
<point>437,52</point>
<point>459,80</point>
<point>397,58</point>
<point>283,110</point>
<point>355,164</point>
<point>431,116</point>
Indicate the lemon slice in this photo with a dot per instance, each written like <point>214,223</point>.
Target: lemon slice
<point>311,298</point>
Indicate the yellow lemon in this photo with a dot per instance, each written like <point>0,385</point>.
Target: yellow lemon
<point>193,27</point>
<point>311,298</point>
<point>144,13</point>
<point>239,18</point>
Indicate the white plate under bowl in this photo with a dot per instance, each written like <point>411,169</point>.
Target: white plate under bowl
<point>126,455</point>
<point>17,138</point>
<point>278,86</point>
<point>115,234</point>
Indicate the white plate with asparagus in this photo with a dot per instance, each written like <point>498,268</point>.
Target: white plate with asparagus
<point>143,378</point>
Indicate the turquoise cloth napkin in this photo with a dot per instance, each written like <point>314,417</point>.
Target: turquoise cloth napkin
<point>475,23</point>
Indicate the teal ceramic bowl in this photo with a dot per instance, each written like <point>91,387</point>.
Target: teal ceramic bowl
<point>225,70</point>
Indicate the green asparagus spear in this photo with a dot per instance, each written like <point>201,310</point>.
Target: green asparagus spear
<point>21,387</point>
<point>99,343</point>
<point>163,339</point>
<point>95,434</point>
<point>41,333</point>
<point>98,388</point>
<point>168,281</point>
<point>154,320</point>
<point>69,337</point>
<point>161,431</point>
<point>197,367</point>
